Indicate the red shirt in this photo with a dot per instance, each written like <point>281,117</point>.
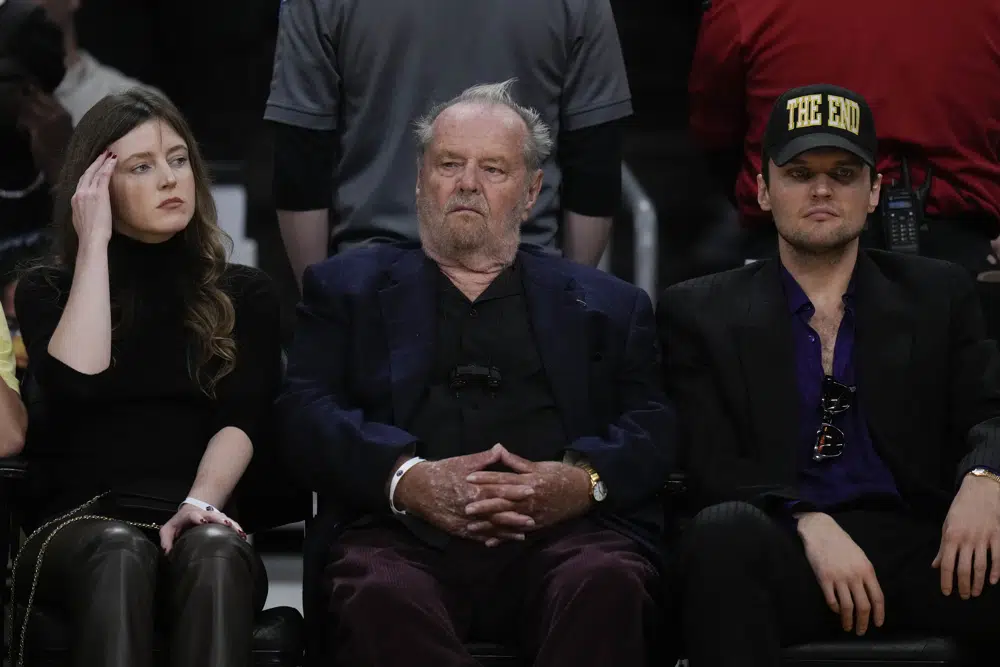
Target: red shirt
<point>929,69</point>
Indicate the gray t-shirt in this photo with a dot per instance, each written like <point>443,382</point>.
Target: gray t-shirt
<point>370,68</point>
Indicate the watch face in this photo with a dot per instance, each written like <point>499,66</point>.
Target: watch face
<point>600,491</point>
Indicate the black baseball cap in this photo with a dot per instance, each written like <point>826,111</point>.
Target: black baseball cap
<point>820,116</point>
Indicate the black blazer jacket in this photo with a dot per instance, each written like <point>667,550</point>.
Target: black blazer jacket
<point>927,376</point>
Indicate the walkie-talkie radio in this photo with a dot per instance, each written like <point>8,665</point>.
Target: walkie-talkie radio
<point>903,212</point>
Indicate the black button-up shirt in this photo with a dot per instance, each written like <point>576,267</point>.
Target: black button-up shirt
<point>492,332</point>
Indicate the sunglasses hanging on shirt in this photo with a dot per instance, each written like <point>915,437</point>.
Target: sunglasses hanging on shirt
<point>836,399</point>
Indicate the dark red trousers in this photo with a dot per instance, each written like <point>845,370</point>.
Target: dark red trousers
<point>577,594</point>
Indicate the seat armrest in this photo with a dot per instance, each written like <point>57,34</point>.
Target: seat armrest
<point>678,503</point>
<point>676,484</point>
<point>13,467</point>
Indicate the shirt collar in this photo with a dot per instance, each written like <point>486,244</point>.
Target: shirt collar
<point>507,283</point>
<point>797,300</point>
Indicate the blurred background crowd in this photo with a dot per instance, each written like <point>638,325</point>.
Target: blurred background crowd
<point>699,91</point>
<point>214,60</point>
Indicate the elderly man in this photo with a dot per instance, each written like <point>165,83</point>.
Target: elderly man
<point>350,78</point>
<point>485,421</point>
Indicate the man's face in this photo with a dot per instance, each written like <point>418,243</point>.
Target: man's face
<point>820,199</point>
<point>473,187</point>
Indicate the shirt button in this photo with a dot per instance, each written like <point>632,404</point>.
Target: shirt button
<point>473,313</point>
<point>812,338</point>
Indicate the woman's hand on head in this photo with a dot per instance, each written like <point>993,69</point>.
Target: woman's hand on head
<point>92,201</point>
<point>189,516</point>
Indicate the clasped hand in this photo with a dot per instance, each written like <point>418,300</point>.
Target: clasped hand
<point>461,497</point>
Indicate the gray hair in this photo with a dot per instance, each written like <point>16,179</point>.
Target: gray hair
<point>537,145</point>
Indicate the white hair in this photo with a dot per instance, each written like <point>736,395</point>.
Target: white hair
<point>537,145</point>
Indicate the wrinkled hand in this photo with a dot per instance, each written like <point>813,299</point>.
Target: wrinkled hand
<point>49,128</point>
<point>92,201</point>
<point>438,492</point>
<point>560,492</point>
<point>188,516</point>
<point>971,529</point>
<point>844,572</point>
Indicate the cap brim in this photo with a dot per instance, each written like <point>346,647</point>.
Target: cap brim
<point>808,142</point>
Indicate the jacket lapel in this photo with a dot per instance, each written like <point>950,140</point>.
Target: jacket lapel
<point>558,317</point>
<point>884,338</point>
<point>409,312</point>
<point>767,356</point>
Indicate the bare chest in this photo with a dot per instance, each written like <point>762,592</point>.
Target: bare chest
<point>826,327</point>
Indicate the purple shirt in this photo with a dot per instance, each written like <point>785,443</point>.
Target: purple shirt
<point>858,472</point>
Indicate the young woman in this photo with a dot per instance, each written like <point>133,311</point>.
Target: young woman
<point>158,363</point>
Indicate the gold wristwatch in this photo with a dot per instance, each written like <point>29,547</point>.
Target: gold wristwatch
<point>598,490</point>
<point>983,472</point>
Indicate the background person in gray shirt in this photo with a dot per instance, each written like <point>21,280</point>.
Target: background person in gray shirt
<point>351,76</point>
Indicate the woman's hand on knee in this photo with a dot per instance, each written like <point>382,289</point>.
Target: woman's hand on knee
<point>189,516</point>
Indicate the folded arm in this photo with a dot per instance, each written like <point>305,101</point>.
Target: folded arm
<point>637,454</point>
<point>329,443</point>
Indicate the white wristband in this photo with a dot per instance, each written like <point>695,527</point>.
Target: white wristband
<point>200,504</point>
<point>398,475</point>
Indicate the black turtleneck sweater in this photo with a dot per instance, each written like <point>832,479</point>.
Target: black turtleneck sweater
<point>143,424</point>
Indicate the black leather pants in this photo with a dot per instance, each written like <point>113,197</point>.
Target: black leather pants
<point>113,583</point>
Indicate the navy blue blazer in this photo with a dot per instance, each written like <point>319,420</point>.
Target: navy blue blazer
<point>363,350</point>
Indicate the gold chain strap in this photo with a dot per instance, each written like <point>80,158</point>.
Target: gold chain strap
<point>65,519</point>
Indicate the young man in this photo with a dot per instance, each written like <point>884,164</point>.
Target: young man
<point>944,119</point>
<point>840,412</point>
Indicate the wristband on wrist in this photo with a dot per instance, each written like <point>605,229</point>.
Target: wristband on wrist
<point>398,475</point>
<point>200,504</point>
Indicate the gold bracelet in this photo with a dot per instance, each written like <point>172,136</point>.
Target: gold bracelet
<point>983,472</point>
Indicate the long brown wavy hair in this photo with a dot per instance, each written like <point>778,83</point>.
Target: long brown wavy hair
<point>209,314</point>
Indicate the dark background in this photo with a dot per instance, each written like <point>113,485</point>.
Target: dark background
<point>214,60</point>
